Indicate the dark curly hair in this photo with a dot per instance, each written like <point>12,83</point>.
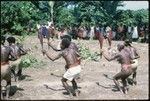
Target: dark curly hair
<point>65,42</point>
<point>11,39</point>
<point>120,46</point>
<point>66,36</point>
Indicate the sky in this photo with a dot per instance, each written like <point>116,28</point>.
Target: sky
<point>134,5</point>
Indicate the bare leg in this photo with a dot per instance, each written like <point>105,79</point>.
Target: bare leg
<point>8,89</point>
<point>41,41</point>
<point>124,85</point>
<point>115,79</point>
<point>3,90</point>
<point>2,97</point>
<point>65,84</point>
<point>19,73</point>
<point>109,42</point>
<point>101,45</point>
<point>40,36</point>
<point>134,78</point>
<point>74,84</point>
<point>15,75</point>
<point>48,42</point>
<point>117,84</point>
<point>75,87</point>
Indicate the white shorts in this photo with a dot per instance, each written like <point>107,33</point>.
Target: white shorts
<point>72,73</point>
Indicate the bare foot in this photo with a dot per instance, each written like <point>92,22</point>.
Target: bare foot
<point>77,93</point>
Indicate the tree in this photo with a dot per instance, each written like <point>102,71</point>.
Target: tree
<point>17,15</point>
<point>51,4</point>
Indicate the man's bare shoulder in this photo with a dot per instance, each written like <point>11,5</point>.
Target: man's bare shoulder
<point>65,51</point>
<point>7,47</point>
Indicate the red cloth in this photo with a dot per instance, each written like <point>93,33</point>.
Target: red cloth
<point>110,35</point>
<point>141,34</point>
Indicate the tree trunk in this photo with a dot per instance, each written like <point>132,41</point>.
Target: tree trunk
<point>51,4</point>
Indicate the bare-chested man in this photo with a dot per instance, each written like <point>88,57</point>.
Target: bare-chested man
<point>6,55</point>
<point>18,50</point>
<point>124,59</point>
<point>72,63</point>
<point>134,55</point>
<point>72,45</point>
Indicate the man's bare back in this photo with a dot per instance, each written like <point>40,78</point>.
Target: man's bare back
<point>70,56</point>
<point>133,52</point>
<point>123,57</point>
<point>17,50</point>
<point>6,52</point>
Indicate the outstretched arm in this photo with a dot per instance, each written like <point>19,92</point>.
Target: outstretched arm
<point>136,54</point>
<point>51,57</point>
<point>12,55</point>
<point>53,47</point>
<point>108,57</point>
<point>23,51</point>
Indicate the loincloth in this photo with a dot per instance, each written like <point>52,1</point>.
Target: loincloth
<point>72,73</point>
<point>5,72</point>
<point>135,64</point>
<point>126,67</point>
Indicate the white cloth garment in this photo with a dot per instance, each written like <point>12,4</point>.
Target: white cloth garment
<point>72,73</point>
<point>135,33</point>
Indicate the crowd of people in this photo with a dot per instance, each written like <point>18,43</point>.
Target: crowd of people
<point>133,32</point>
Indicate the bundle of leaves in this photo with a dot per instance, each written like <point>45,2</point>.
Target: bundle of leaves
<point>85,53</point>
<point>30,61</point>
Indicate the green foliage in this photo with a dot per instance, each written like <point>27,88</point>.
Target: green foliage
<point>16,15</point>
<point>129,16</point>
<point>124,17</point>
<point>86,53</point>
<point>66,15</point>
<point>30,61</point>
<point>141,16</point>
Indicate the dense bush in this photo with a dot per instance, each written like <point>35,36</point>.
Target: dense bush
<point>16,16</point>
